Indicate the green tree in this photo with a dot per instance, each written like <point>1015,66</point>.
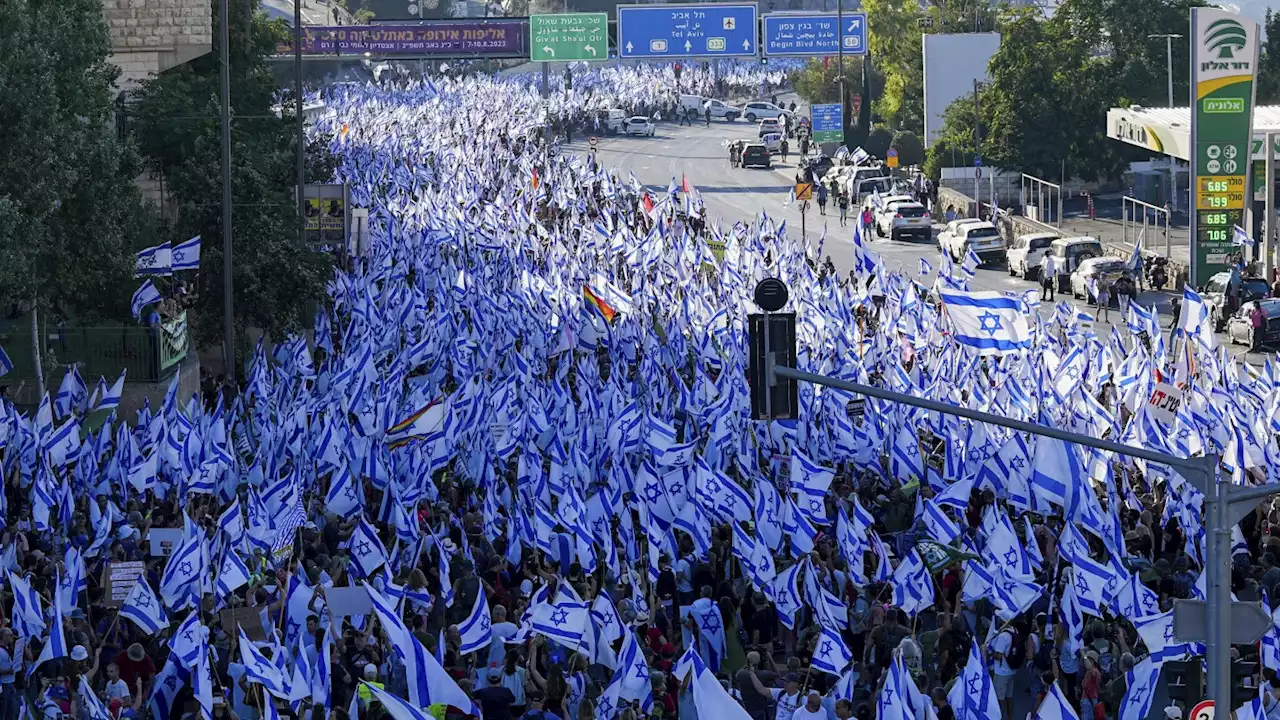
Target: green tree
<point>71,215</point>
<point>1269,62</point>
<point>878,140</point>
<point>276,278</point>
<point>910,148</point>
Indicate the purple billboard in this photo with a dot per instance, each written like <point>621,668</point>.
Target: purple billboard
<point>504,38</point>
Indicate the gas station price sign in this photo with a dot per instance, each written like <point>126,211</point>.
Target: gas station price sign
<point>1219,207</point>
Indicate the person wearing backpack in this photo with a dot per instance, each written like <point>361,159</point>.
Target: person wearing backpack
<point>1003,650</point>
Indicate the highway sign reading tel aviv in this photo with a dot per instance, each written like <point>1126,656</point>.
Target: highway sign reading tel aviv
<point>1224,66</point>
<point>569,36</point>
<point>828,122</point>
<point>814,34</point>
<point>687,30</point>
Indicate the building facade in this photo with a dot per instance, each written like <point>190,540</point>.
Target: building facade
<point>151,36</point>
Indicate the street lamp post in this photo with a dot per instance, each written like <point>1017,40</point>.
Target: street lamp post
<point>1168,58</point>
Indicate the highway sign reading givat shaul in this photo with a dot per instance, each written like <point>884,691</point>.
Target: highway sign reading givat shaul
<point>670,31</point>
<point>569,36</point>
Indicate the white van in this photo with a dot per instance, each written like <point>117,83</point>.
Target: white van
<point>612,121</point>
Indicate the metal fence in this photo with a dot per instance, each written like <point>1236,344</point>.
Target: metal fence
<point>148,353</point>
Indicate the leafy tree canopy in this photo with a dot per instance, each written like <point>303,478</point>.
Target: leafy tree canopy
<point>277,279</point>
<point>71,215</point>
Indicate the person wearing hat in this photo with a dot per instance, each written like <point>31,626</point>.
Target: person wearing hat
<point>1173,712</point>
<point>370,676</point>
<point>495,699</point>
<point>136,669</point>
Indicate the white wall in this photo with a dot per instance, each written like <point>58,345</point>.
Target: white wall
<point>951,64</point>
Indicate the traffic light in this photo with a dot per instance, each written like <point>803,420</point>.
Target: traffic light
<point>779,400</point>
<point>772,338</point>
<point>677,70</point>
<point>764,61</point>
<point>1242,670</point>
<point>1184,680</point>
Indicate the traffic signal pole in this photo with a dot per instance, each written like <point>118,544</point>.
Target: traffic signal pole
<point>1225,503</point>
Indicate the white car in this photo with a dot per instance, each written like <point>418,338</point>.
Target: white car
<point>1027,252</point>
<point>769,126</point>
<point>772,142</point>
<point>754,111</point>
<point>639,125</point>
<point>980,236</point>
<point>1094,269</point>
<point>879,203</point>
<point>723,110</point>
<point>904,217</point>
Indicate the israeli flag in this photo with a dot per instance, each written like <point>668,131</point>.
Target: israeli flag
<point>258,669</point>
<point>475,630</point>
<point>56,647</point>
<point>143,608</point>
<point>973,697</point>
<point>1241,238</point>
<point>27,615</point>
<point>1141,680</point>
<point>5,363</point>
<point>156,260</point>
<point>186,256</point>
<point>367,551</point>
<point>630,682</point>
<point>989,322</point>
<point>831,655</point>
<point>233,575</point>
<point>1055,706</point>
<point>90,703</point>
<point>925,267</point>
<point>142,297</point>
<point>110,399</point>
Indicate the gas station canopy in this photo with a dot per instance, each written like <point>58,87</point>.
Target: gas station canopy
<point>1168,130</point>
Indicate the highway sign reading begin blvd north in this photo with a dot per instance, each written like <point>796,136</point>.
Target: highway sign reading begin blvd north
<point>569,36</point>
<point>716,30</point>
<point>813,34</point>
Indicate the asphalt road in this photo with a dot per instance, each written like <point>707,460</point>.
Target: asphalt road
<point>732,195</point>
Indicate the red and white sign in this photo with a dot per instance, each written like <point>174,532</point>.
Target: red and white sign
<point>1202,711</point>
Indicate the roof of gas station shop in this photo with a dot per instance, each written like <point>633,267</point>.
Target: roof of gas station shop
<point>1168,130</point>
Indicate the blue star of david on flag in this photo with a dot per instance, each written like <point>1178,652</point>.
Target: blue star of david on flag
<point>990,323</point>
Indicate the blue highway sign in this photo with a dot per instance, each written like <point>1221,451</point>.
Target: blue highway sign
<point>828,122</point>
<point>814,34</point>
<point>670,31</point>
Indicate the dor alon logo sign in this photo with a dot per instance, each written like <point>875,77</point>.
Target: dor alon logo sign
<point>1223,40</point>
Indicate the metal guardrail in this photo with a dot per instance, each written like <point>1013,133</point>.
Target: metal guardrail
<point>148,353</point>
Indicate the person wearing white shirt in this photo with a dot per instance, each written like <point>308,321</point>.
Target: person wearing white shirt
<point>1048,277</point>
<point>500,630</point>
<point>812,709</point>
<point>1002,675</point>
<point>117,689</point>
<point>789,698</point>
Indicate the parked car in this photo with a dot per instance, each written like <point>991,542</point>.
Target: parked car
<point>904,218</point>
<point>1027,252</point>
<point>756,155</point>
<point>640,125</point>
<point>1240,324</point>
<point>1214,294</point>
<point>1092,271</point>
<point>753,111</point>
<point>980,236</point>
<point>1068,253</point>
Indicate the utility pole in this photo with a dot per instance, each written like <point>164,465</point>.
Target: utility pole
<point>302,127</point>
<point>844,125</point>
<point>977,149</point>
<point>228,284</point>
<point>1168,58</point>
<point>1269,227</point>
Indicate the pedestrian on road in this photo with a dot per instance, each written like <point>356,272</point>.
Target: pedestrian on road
<point>843,201</point>
<point>1257,321</point>
<point>707,112</point>
<point>1048,275</point>
<point>822,196</point>
<point>1124,292</point>
<point>1103,296</point>
<point>867,219</point>
<point>784,149</point>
